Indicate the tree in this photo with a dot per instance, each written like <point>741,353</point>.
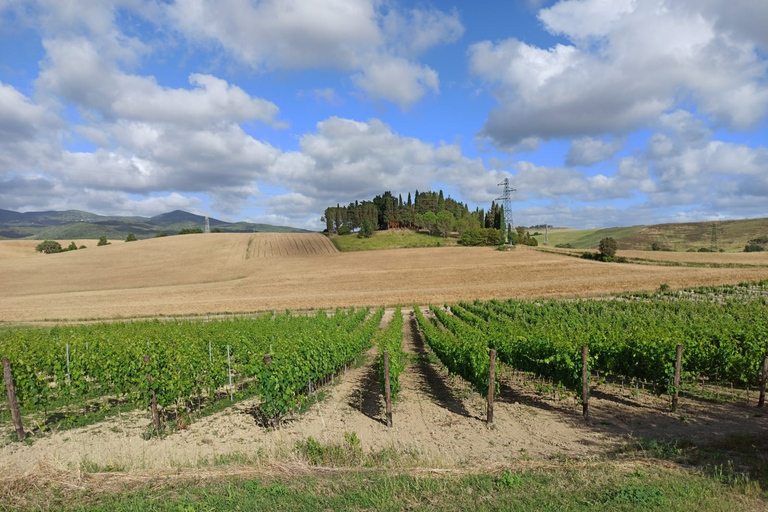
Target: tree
<point>103,241</point>
<point>607,247</point>
<point>366,229</point>
<point>48,247</point>
<point>72,247</point>
<point>444,222</point>
<point>130,238</point>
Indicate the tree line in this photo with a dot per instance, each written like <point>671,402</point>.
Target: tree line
<point>430,210</point>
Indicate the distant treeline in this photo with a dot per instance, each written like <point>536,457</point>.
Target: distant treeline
<point>424,210</point>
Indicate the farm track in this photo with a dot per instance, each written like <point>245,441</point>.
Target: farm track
<point>230,273</point>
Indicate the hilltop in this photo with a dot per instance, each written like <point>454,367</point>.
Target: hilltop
<point>76,224</point>
<point>732,235</point>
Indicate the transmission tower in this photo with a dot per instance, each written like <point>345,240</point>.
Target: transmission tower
<point>506,199</point>
<point>207,225</point>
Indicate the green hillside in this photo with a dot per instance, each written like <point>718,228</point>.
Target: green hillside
<point>731,235</point>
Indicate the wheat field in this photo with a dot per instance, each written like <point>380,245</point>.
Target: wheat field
<point>230,273</point>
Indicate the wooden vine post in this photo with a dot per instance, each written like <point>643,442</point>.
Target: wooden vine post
<point>676,383</point>
<point>155,414</point>
<point>12,403</point>
<point>387,390</point>
<point>585,382</point>
<point>763,378</point>
<point>491,385</point>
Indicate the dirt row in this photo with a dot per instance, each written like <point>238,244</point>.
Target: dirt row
<point>438,422</point>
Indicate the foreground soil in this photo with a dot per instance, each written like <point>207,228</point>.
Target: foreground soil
<point>231,273</point>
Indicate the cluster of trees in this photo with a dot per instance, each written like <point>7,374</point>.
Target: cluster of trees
<point>430,211</point>
<point>52,247</point>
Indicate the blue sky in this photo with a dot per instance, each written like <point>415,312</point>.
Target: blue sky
<point>601,112</point>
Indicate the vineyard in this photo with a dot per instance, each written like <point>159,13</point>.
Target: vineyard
<point>183,365</point>
<point>723,332</point>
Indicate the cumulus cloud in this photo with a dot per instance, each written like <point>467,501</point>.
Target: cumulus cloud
<point>586,151</point>
<point>626,64</point>
<point>397,80</point>
<point>374,40</point>
<point>347,160</point>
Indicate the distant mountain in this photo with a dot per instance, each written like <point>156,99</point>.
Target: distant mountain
<point>75,224</point>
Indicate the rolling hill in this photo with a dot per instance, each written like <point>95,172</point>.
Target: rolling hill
<point>76,224</point>
<point>731,235</point>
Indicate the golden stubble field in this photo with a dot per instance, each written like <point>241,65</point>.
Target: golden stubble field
<point>224,273</point>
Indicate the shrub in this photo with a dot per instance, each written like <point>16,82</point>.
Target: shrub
<point>607,247</point>
<point>160,234</point>
<point>564,246</point>
<point>130,238</point>
<point>103,241</point>
<point>344,230</point>
<point>366,229</point>
<point>190,231</point>
<point>72,247</point>
<point>753,248</point>
<point>482,236</point>
<point>48,247</point>
<point>82,247</point>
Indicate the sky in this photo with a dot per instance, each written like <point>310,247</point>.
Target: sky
<point>600,112</point>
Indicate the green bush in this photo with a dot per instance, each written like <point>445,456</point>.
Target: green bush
<point>190,231</point>
<point>160,234</point>
<point>754,248</point>
<point>564,246</point>
<point>344,230</point>
<point>481,236</point>
<point>48,247</point>
<point>130,238</point>
<point>103,241</point>
<point>366,229</point>
<point>71,247</point>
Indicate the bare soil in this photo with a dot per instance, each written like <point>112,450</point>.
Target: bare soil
<point>240,273</point>
<point>438,422</point>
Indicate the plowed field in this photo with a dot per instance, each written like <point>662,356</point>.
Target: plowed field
<point>224,273</point>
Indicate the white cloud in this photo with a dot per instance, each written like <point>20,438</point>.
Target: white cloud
<point>374,40</point>
<point>587,151</point>
<point>347,160</point>
<point>628,62</point>
<point>397,80</point>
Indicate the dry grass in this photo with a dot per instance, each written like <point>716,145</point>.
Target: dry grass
<point>218,273</point>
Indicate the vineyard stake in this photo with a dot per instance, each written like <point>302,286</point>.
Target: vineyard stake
<point>229,366</point>
<point>763,378</point>
<point>387,391</point>
<point>491,385</point>
<point>678,362</point>
<point>210,353</point>
<point>585,382</point>
<point>12,403</point>
<point>155,414</point>
<point>69,379</point>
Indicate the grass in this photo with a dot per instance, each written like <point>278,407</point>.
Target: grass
<point>390,239</point>
<point>534,487</point>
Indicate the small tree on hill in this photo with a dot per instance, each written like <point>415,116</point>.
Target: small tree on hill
<point>103,240</point>
<point>366,229</point>
<point>48,247</point>
<point>72,247</point>
<point>607,247</point>
<point>130,238</point>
